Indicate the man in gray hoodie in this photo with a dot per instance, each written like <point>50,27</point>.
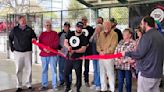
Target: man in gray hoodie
<point>149,56</point>
<point>64,51</point>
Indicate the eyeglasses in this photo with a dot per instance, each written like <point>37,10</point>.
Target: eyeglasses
<point>48,25</point>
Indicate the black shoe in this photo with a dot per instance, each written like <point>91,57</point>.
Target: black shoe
<point>43,88</point>
<point>19,90</point>
<point>68,90</point>
<point>78,90</point>
<point>87,84</point>
<point>61,84</point>
<point>30,88</point>
<point>161,84</point>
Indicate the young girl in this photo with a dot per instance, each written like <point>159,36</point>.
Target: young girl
<point>124,64</point>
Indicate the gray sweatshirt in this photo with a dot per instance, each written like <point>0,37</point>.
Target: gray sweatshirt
<point>150,54</point>
<point>62,36</point>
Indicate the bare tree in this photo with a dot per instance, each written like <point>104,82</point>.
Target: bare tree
<point>19,6</point>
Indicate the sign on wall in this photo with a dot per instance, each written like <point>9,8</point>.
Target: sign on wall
<point>137,12</point>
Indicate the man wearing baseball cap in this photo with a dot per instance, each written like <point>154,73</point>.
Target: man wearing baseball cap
<point>120,37</point>
<point>64,51</point>
<point>118,31</point>
<point>76,44</point>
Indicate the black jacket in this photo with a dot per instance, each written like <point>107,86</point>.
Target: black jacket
<point>90,33</point>
<point>21,40</point>
<point>120,37</point>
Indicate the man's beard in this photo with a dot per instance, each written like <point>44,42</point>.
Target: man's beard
<point>143,29</point>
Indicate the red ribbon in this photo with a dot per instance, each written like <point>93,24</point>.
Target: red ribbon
<point>92,57</point>
<point>97,57</point>
<point>48,48</point>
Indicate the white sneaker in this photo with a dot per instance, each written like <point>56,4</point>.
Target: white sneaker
<point>111,91</point>
<point>93,87</point>
<point>55,89</point>
<point>70,90</point>
<point>97,88</point>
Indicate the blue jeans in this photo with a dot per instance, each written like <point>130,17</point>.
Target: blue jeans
<point>61,63</point>
<point>124,74</point>
<point>96,68</point>
<point>52,60</point>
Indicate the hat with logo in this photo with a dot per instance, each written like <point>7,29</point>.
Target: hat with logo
<point>79,24</point>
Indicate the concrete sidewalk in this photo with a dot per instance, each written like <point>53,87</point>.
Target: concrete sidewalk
<point>8,78</point>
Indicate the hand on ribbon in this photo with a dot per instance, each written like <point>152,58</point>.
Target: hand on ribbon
<point>123,53</point>
<point>45,50</point>
<point>69,48</point>
<point>93,57</point>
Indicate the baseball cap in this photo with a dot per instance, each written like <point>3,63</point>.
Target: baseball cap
<point>67,24</point>
<point>79,24</point>
<point>113,20</point>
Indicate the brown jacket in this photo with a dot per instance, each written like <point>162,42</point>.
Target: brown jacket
<point>107,43</point>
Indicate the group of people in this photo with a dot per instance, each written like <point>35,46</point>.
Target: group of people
<point>144,55</point>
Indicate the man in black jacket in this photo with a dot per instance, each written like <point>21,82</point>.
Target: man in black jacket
<point>20,39</point>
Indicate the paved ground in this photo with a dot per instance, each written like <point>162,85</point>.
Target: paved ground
<point>61,89</point>
<point>8,82</point>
